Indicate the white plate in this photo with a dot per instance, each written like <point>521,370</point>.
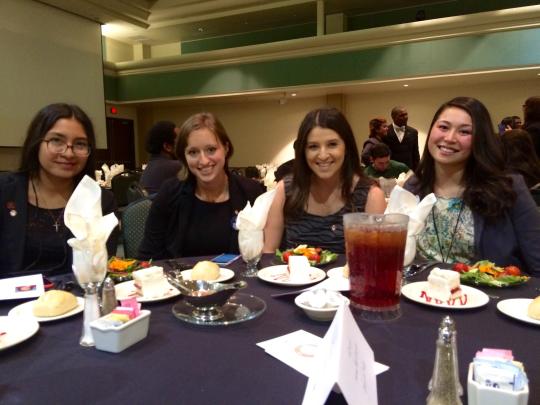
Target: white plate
<point>279,275</point>
<point>224,275</point>
<point>127,290</point>
<point>517,308</point>
<point>336,272</point>
<point>25,310</point>
<point>16,330</point>
<point>470,297</point>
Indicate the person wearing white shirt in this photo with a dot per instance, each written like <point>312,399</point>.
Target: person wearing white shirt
<point>403,139</point>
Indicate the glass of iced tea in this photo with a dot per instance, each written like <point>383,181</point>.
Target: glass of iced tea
<point>375,246</point>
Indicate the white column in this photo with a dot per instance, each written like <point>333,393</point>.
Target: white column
<point>320,17</point>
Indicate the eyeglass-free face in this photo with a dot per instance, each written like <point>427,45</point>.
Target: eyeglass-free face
<point>64,150</point>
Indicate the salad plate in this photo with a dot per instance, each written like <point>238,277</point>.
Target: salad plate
<point>127,290</point>
<point>224,275</point>
<point>315,255</point>
<point>15,330</point>
<point>488,274</point>
<point>280,275</point>
<point>517,308</point>
<point>470,297</point>
<point>25,310</point>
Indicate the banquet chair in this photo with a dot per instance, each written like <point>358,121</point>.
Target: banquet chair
<point>120,185</point>
<point>133,221</point>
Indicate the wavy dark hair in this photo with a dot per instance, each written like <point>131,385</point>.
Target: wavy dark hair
<point>160,133</point>
<point>520,155</point>
<point>531,111</point>
<point>41,124</point>
<point>375,125</point>
<point>333,119</point>
<point>488,190</point>
<point>199,121</point>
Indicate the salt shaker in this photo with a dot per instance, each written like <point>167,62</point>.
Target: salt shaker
<point>108,297</point>
<point>444,384</point>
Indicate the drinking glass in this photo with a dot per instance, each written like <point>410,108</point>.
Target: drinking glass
<point>251,242</point>
<point>375,246</point>
<point>90,268</point>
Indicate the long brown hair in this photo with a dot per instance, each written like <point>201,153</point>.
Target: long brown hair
<point>488,190</point>
<point>198,121</point>
<point>333,119</point>
<point>520,155</point>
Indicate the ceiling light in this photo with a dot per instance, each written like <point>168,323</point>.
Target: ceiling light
<point>200,29</point>
<point>405,85</point>
<point>293,94</point>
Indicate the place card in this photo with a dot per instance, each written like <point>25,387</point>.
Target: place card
<point>341,361</point>
<point>21,287</point>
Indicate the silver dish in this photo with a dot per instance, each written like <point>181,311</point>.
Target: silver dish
<point>239,308</point>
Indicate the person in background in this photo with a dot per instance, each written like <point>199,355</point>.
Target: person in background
<point>378,128</point>
<point>327,182</point>
<point>481,212</point>
<point>531,118</point>
<point>195,214</point>
<point>56,154</point>
<point>508,123</point>
<point>403,139</point>
<point>521,157</point>
<point>162,164</point>
<point>381,164</point>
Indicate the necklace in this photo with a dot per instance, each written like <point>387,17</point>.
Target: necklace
<point>444,260</point>
<point>57,223</point>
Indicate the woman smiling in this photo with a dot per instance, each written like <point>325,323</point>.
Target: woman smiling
<point>194,215</point>
<point>327,182</point>
<point>480,213</point>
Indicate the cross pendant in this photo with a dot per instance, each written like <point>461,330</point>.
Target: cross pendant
<point>56,226</point>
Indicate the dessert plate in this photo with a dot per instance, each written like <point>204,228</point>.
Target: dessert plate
<point>239,308</point>
<point>25,310</point>
<point>16,330</point>
<point>470,297</point>
<point>127,290</point>
<point>517,308</point>
<point>224,275</point>
<point>336,272</point>
<point>279,275</point>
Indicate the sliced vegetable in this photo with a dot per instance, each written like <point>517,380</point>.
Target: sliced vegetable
<point>315,255</point>
<point>488,274</point>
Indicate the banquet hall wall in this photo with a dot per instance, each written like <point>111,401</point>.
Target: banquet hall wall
<point>262,131</point>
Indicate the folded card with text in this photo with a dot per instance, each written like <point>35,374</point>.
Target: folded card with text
<point>21,287</point>
<point>341,358</point>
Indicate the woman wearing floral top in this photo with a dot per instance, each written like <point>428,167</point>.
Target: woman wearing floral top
<point>481,212</point>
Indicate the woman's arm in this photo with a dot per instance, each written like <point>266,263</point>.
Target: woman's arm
<point>275,223</point>
<point>376,201</point>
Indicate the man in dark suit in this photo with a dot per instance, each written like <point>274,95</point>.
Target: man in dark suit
<point>402,139</point>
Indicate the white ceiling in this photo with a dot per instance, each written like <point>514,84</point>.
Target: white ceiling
<point>166,21</point>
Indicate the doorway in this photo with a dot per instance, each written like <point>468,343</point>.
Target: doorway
<point>120,144</point>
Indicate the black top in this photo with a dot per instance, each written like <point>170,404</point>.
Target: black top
<point>172,213</point>
<point>159,169</point>
<point>217,217</point>
<point>405,151</point>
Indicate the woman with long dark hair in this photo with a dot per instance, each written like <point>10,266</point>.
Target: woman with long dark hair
<point>520,156</point>
<point>481,212</point>
<point>56,154</point>
<point>327,182</point>
<point>194,214</point>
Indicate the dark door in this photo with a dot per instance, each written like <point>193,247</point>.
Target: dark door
<point>121,142</point>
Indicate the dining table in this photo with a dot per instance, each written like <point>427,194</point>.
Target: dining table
<point>185,363</point>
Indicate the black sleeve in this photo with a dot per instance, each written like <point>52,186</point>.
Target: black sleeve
<point>108,205</point>
<point>416,153</point>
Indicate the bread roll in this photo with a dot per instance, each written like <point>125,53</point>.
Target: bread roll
<point>534,308</point>
<point>54,303</point>
<point>205,270</point>
<point>346,270</point>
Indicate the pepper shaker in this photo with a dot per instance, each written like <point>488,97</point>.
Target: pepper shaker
<point>444,384</point>
<point>108,297</point>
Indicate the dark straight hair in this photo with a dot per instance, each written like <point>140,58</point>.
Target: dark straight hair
<point>44,120</point>
<point>330,118</point>
<point>488,190</point>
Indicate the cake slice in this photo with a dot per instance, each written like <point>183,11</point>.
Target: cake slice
<point>298,268</point>
<point>444,284</point>
<point>150,282</point>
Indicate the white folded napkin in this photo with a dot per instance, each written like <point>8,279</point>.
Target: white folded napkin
<point>404,202</point>
<point>403,177</point>
<point>83,216</point>
<point>250,223</point>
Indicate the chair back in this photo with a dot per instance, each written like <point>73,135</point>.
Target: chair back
<point>135,192</point>
<point>133,221</point>
<point>120,185</point>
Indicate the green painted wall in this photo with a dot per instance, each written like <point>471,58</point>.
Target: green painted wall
<point>250,38</point>
<point>489,51</point>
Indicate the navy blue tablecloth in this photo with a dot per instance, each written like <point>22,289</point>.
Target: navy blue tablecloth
<point>180,363</point>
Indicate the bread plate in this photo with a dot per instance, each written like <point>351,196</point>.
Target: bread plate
<point>517,308</point>
<point>16,330</point>
<point>25,310</point>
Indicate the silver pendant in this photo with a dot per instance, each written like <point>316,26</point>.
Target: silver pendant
<point>12,213</point>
